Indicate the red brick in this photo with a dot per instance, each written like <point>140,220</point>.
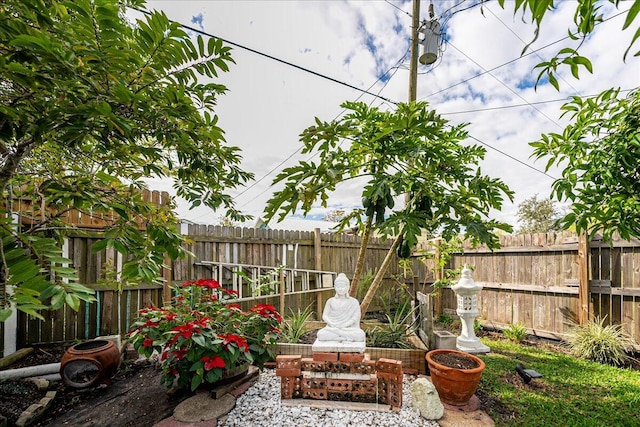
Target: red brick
<point>314,393</point>
<point>339,367</point>
<point>325,357</point>
<point>309,383</point>
<point>363,397</point>
<point>288,372</point>
<point>288,361</point>
<point>390,377</point>
<point>389,366</point>
<point>366,386</point>
<point>366,367</point>
<point>337,384</point>
<point>351,357</point>
<point>313,366</point>
<point>290,387</point>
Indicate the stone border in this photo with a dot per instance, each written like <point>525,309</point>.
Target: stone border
<point>36,410</point>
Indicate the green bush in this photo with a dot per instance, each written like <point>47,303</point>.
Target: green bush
<point>516,332</point>
<point>395,333</point>
<point>445,319</point>
<point>293,326</point>
<point>599,343</point>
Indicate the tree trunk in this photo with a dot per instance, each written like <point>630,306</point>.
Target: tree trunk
<point>366,301</point>
<point>353,291</point>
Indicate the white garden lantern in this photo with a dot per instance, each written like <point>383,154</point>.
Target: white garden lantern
<point>467,291</point>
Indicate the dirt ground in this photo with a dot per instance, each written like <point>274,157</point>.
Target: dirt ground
<point>135,397</point>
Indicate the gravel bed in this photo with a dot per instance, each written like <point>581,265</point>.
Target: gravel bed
<point>260,406</point>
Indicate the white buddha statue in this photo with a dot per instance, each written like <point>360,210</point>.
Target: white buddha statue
<point>342,315</point>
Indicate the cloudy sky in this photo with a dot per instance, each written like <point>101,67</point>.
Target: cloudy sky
<point>480,77</point>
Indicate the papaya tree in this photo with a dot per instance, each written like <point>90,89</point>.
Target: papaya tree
<point>598,151</point>
<point>91,104</point>
<point>408,151</point>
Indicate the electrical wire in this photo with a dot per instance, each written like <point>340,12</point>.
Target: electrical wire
<point>257,52</point>
<point>403,11</point>
<point>507,86</point>
<point>511,157</point>
<point>395,66</point>
<point>513,60</point>
<point>525,43</point>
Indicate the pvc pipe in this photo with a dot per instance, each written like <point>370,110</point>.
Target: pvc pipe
<point>50,377</point>
<point>30,371</point>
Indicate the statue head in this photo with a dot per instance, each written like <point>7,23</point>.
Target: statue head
<point>341,284</point>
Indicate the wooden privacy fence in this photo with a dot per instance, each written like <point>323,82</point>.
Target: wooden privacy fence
<point>537,279</point>
<point>306,257</point>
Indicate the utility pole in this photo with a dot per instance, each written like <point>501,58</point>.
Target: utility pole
<point>413,60</point>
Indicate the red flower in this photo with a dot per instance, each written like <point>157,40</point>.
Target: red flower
<point>233,306</point>
<point>240,342</point>
<point>212,362</point>
<point>208,283</point>
<point>148,342</point>
<point>267,310</point>
<point>230,292</point>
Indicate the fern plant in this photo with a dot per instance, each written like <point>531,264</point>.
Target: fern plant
<point>607,344</point>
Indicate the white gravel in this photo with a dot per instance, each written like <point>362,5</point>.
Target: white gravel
<point>260,406</point>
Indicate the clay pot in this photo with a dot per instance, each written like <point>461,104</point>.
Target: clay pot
<point>89,363</point>
<point>455,386</point>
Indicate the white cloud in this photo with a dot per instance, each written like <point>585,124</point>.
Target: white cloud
<point>270,103</point>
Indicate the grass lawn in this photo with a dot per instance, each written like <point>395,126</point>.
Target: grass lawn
<point>573,392</point>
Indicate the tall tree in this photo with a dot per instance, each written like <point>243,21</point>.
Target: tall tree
<point>538,215</point>
<point>90,104</point>
<point>410,150</point>
<point>599,151</point>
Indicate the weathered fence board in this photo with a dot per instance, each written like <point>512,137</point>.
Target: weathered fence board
<point>531,279</point>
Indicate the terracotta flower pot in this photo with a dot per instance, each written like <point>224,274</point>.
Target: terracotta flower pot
<point>89,363</point>
<point>455,386</point>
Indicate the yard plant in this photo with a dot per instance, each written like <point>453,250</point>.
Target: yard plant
<point>204,333</point>
<point>599,342</point>
<point>516,332</point>
<point>91,104</point>
<point>573,392</point>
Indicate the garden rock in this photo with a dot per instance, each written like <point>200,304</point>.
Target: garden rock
<point>202,407</point>
<point>426,399</point>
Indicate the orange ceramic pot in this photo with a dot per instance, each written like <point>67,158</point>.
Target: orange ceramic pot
<point>455,386</point>
<point>89,363</point>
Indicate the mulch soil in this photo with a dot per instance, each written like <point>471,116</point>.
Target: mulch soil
<point>134,396</point>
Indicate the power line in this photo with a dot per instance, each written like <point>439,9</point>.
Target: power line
<point>401,10</point>
<point>257,52</point>
<point>506,86</point>
<point>525,43</point>
<point>513,60</point>
<point>512,158</point>
<point>528,104</point>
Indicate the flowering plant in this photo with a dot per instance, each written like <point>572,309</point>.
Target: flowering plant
<point>204,332</point>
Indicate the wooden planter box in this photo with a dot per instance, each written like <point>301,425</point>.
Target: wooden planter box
<point>412,359</point>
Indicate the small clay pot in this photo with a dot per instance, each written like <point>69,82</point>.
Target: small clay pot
<point>89,363</point>
<point>455,386</point>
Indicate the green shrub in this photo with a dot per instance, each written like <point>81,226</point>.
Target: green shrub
<point>516,332</point>
<point>293,326</point>
<point>395,333</point>
<point>445,319</point>
<point>599,343</point>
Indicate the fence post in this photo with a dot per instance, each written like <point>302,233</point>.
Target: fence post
<point>583,278</point>
<point>438,273</point>
<point>282,290</point>
<point>317,251</point>
<point>166,286</point>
